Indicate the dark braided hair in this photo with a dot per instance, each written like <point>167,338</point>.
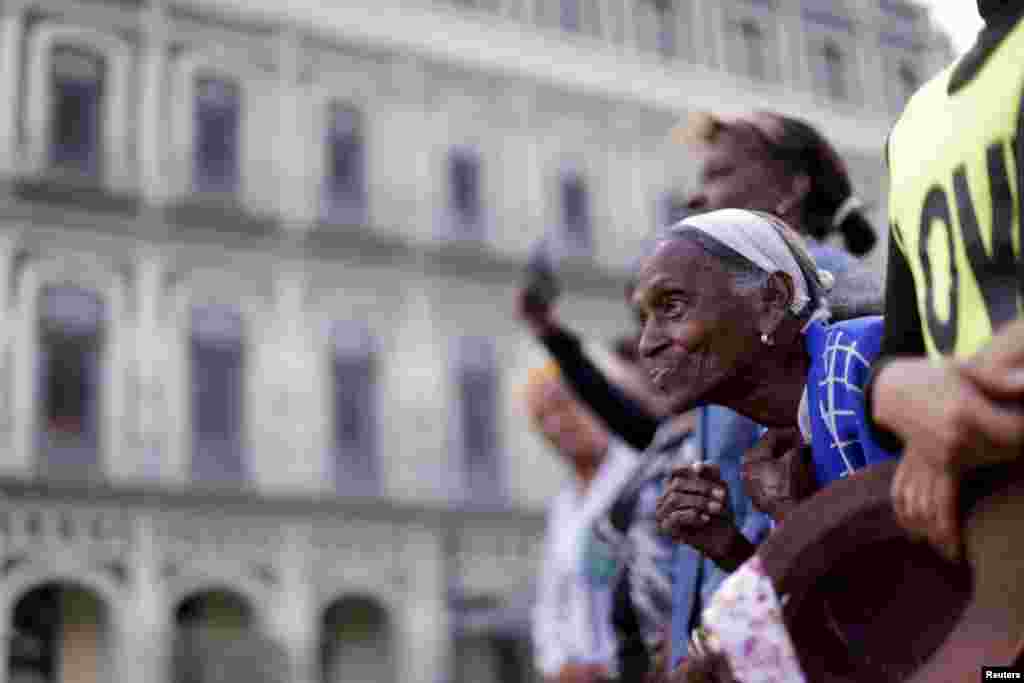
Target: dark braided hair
<point>802,149</point>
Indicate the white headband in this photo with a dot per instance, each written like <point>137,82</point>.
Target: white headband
<point>756,239</point>
<point>852,203</point>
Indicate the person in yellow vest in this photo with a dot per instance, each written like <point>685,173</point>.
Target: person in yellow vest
<point>955,280</point>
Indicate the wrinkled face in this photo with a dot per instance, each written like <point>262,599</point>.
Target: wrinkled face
<point>737,172</point>
<point>566,424</point>
<point>698,331</point>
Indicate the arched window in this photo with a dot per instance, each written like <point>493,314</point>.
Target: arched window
<point>752,45</point>
<point>344,199</point>
<point>355,419</point>
<point>77,85</point>
<point>217,131</point>
<point>217,363</point>
<point>216,632</point>
<point>59,632</point>
<point>356,642</point>
<point>69,383</point>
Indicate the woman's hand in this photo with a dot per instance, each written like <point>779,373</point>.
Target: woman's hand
<point>695,510</point>
<point>777,473</point>
<point>952,417</point>
<point>537,312</point>
<point>925,498</point>
<point>704,668</point>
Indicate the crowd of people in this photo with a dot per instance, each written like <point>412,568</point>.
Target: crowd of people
<point>768,365</point>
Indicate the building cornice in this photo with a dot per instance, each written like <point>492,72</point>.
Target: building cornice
<point>586,67</point>
<point>224,502</point>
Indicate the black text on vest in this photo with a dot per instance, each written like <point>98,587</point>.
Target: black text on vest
<point>997,270</point>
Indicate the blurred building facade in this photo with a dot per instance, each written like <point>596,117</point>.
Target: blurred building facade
<point>258,364</point>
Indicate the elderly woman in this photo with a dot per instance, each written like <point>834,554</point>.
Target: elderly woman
<point>735,313</point>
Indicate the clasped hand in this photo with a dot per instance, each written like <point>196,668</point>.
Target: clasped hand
<point>952,416</point>
<point>695,509</point>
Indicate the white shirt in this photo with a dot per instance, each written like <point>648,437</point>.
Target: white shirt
<point>571,618</point>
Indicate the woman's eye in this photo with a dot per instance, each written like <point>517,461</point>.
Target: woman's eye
<point>717,173</point>
<point>675,308</point>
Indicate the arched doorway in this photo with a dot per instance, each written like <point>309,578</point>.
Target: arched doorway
<point>356,642</point>
<point>217,640</point>
<point>492,659</point>
<point>491,641</point>
<point>60,634</point>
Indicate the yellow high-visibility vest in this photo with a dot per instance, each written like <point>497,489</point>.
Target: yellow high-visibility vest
<point>953,200</point>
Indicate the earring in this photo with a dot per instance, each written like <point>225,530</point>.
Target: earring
<point>767,340</point>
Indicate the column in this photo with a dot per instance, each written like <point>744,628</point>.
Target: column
<point>21,457</point>
<point>11,31</point>
<point>423,634</point>
<point>8,322</point>
<point>628,26</point>
<point>716,30</point>
<point>789,38</point>
<point>870,65</point>
<point>293,619</point>
<point>289,384</point>
<point>289,143</point>
<point>153,183</point>
<point>604,19</point>
<point>152,412</point>
<point>798,40</point>
<point>147,632</point>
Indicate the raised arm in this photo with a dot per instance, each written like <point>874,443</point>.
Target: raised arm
<point>627,418</point>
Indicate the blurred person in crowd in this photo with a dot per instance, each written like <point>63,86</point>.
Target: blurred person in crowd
<point>948,389</point>
<point>735,313</point>
<point>642,420</point>
<point>642,582</point>
<point>809,185</point>
<point>573,636</point>
<point>783,166</point>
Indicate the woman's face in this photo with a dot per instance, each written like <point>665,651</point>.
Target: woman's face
<point>737,173</point>
<point>697,330</point>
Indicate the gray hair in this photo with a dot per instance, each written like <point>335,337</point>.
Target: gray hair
<point>748,276</point>
<point>857,290</point>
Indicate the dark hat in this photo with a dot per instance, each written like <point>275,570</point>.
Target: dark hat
<point>867,603</point>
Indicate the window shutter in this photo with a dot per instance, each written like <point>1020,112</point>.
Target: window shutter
<point>217,130</point>
<point>354,425</point>
<point>69,381</point>
<point>345,184</point>
<point>76,118</point>
<point>478,395</point>
<point>576,211</point>
<point>217,397</point>
<point>465,200</point>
